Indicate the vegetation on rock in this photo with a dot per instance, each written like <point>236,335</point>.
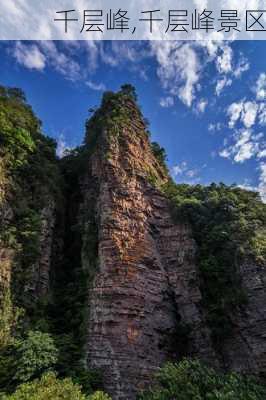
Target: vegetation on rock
<point>49,387</point>
<point>189,380</point>
<point>229,227</point>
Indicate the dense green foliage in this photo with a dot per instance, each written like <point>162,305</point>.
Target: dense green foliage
<point>9,315</point>
<point>129,90</point>
<point>99,396</point>
<point>49,387</point>
<point>26,358</point>
<point>17,125</point>
<point>229,225</point>
<point>34,355</point>
<point>29,155</point>
<point>191,380</point>
<point>116,112</point>
<point>160,153</point>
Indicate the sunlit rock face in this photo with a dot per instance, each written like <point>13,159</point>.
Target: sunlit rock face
<point>146,287</point>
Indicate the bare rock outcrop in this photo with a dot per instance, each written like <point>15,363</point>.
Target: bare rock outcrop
<point>146,288</point>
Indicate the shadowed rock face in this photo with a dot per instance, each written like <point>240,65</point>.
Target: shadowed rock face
<point>38,283</point>
<point>146,288</point>
<point>245,350</point>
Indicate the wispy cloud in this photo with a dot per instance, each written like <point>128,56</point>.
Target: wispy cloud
<point>246,112</point>
<point>262,181</point>
<point>62,146</point>
<point>242,66</point>
<point>184,173</point>
<point>215,127</point>
<point>60,61</point>
<point>221,84</point>
<point>29,56</point>
<point>96,86</point>
<point>261,87</point>
<point>245,146</point>
<point>173,59</point>
<point>167,102</point>
<point>224,61</point>
<point>201,106</point>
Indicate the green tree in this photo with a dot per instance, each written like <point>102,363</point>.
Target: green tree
<point>35,355</point>
<point>192,380</point>
<point>159,153</point>
<point>129,90</point>
<point>48,387</point>
<point>99,396</point>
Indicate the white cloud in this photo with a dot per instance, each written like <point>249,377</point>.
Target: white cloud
<point>201,105</point>
<point>192,173</point>
<point>179,68</point>
<point>179,169</point>
<point>225,153</point>
<point>47,54</point>
<point>96,86</point>
<point>245,152</point>
<point>234,112</point>
<point>61,146</point>
<point>242,66</point>
<point>184,173</point>
<point>166,102</point>
<point>262,181</point>
<point>246,145</point>
<point>246,111</point>
<point>248,186</point>
<point>224,60</point>
<point>60,61</point>
<point>214,127</point>
<point>262,114</point>
<point>262,154</point>
<point>249,113</point>
<point>179,64</point>
<point>261,188</point>
<point>29,56</point>
<point>261,87</point>
<point>221,84</point>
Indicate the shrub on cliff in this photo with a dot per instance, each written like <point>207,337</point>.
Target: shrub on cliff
<point>191,380</point>
<point>49,387</point>
<point>36,354</point>
<point>99,396</point>
<point>25,359</point>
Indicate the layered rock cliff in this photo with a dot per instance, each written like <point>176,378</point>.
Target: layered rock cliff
<point>146,288</point>
<point>127,279</point>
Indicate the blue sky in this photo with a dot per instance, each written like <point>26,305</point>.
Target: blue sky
<point>206,101</point>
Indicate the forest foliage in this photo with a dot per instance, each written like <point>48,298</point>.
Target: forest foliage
<point>193,380</point>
